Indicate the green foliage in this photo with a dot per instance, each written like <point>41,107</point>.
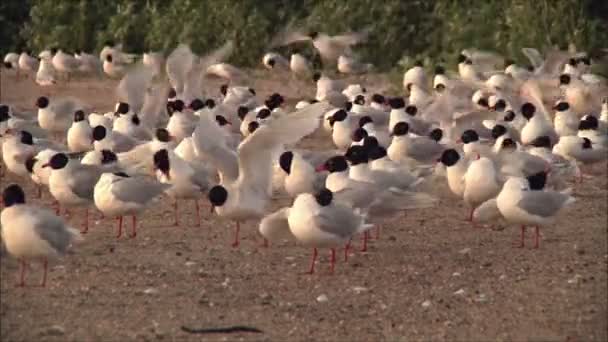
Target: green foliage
<point>400,31</point>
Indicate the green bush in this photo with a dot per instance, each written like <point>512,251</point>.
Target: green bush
<point>434,30</point>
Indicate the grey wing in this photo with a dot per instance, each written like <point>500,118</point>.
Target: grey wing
<point>52,229</point>
<point>137,189</point>
<point>424,149</point>
<point>200,179</point>
<point>392,201</point>
<point>357,194</point>
<point>338,220</point>
<point>542,203</point>
<point>83,181</point>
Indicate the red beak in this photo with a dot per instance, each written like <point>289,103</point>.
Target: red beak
<point>46,165</point>
<point>459,141</point>
<point>321,168</point>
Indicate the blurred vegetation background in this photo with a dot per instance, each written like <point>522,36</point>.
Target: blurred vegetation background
<point>401,30</point>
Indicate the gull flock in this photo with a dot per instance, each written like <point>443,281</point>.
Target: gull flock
<point>507,139</point>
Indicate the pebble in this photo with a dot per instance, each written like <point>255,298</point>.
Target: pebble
<point>481,298</point>
<point>456,274</point>
<point>575,280</point>
<point>460,292</point>
<point>502,277</point>
<point>150,291</point>
<point>465,251</point>
<point>226,282</point>
<point>322,298</point>
<point>426,303</point>
<point>54,330</point>
<point>189,263</point>
<point>359,289</point>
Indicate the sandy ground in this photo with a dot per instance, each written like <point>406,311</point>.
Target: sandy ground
<point>430,276</point>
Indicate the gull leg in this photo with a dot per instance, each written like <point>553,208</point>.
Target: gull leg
<point>377,232</point>
<point>198,212</point>
<point>537,237</point>
<point>236,241</point>
<point>346,248</point>
<point>23,265</point>
<point>39,191</point>
<point>312,263</point>
<point>133,227</point>
<point>523,233</point>
<point>333,260</point>
<point>365,237</point>
<point>86,221</point>
<point>45,264</point>
<point>175,213</point>
<point>119,218</point>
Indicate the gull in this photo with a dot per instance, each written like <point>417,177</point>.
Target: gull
<point>350,65</point>
<point>107,139</point>
<point>227,71</point>
<point>29,232</point>
<point>300,174</point>
<point>39,174</point>
<point>421,149</point>
<point>89,64</point>
<point>472,146</point>
<point>246,175</point>
<point>588,127</point>
<point>16,149</point>
<point>273,60</point>
<point>79,138</point>
<point>118,194</point>
<point>565,120</point>
<point>329,47</point>
<point>65,63</point>
<point>9,121</point>
<point>71,183</point>
<point>55,115</point>
<point>45,76</point>
<point>318,221</point>
<point>520,205</point>
<point>415,75</point>
<point>137,159</point>
<point>11,60</point>
<point>299,65</point>
<point>154,60</point>
<point>343,127</point>
<point>581,151</point>
<point>27,62</point>
<point>382,136</point>
<point>480,183</point>
<point>187,181</point>
<point>456,168</point>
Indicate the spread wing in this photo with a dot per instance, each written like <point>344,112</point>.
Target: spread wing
<point>256,151</point>
<point>210,143</point>
<point>133,86</point>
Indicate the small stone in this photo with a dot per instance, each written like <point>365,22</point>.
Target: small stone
<point>322,298</point>
<point>465,251</point>
<point>486,264</point>
<point>481,298</point>
<point>575,280</point>
<point>502,277</point>
<point>456,274</point>
<point>189,263</point>
<point>359,289</point>
<point>426,303</point>
<point>460,292</point>
<point>150,291</point>
<point>226,282</point>
<point>54,330</point>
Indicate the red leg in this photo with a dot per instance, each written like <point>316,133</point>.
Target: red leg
<point>176,214</point>
<point>198,212</point>
<point>377,232</point>
<point>119,218</point>
<point>133,227</point>
<point>523,234</point>
<point>265,244</point>
<point>86,221</point>
<point>312,263</point>
<point>537,237</point>
<point>470,219</point>
<point>21,282</point>
<point>236,241</point>
<point>346,248</point>
<point>57,208</point>
<point>365,237</point>
<point>39,191</point>
<point>45,263</point>
<point>333,259</point>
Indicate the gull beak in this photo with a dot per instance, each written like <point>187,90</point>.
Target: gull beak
<point>211,209</point>
<point>459,141</point>
<point>321,168</point>
<point>45,165</point>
